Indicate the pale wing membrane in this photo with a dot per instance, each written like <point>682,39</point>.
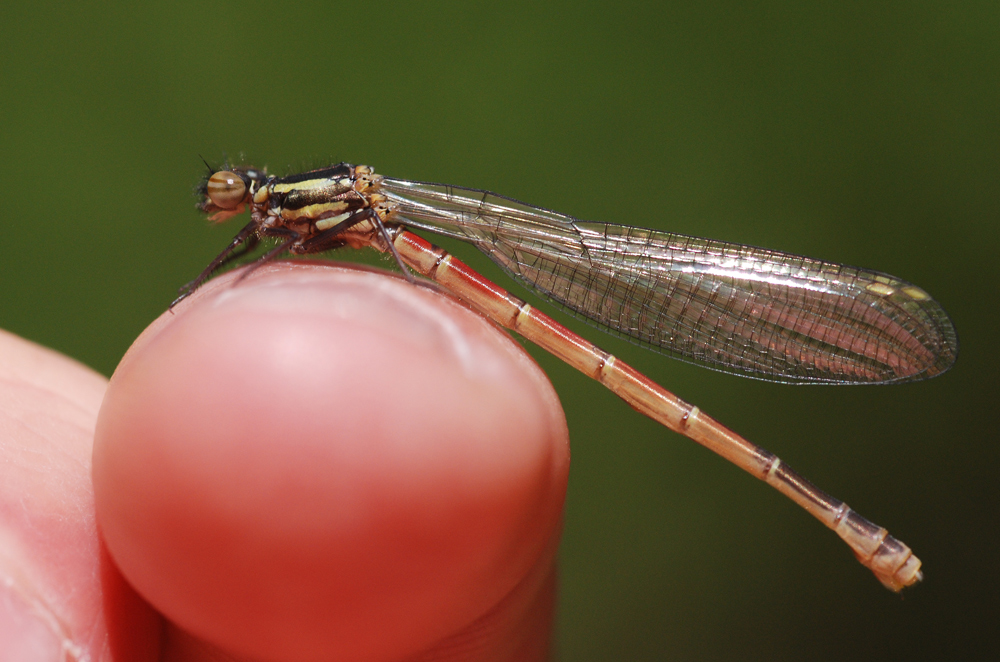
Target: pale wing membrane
<point>734,308</point>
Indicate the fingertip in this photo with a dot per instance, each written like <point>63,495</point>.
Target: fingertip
<point>319,456</point>
<point>58,594</point>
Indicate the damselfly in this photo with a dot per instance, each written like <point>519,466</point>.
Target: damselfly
<point>739,309</point>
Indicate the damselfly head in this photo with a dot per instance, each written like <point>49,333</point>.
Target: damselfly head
<point>226,189</point>
<point>225,193</point>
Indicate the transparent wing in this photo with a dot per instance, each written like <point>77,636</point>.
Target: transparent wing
<point>739,309</point>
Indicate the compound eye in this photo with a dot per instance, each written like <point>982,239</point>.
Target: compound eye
<point>226,189</point>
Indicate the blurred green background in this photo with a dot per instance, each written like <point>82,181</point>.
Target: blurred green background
<point>846,131</point>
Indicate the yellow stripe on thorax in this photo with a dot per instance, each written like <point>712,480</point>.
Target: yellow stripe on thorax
<point>341,184</point>
<point>315,211</point>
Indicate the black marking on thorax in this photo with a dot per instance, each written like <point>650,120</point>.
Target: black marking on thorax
<point>299,198</point>
<point>315,195</point>
<point>332,172</point>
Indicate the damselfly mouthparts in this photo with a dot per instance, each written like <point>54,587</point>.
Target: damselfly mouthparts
<point>739,309</point>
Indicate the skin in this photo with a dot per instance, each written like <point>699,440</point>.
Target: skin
<point>313,463</point>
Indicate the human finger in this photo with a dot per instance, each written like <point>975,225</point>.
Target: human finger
<point>323,462</point>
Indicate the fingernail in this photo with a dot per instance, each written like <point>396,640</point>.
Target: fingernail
<point>385,306</point>
<point>26,633</point>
